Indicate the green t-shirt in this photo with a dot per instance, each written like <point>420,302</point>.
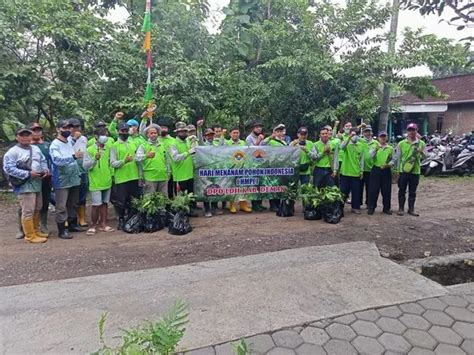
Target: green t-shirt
<point>383,156</point>
<point>352,154</point>
<point>368,161</point>
<point>183,169</point>
<point>327,159</point>
<point>113,131</point>
<point>305,160</point>
<point>129,170</point>
<point>154,169</point>
<point>407,155</point>
<point>240,143</point>
<point>100,176</point>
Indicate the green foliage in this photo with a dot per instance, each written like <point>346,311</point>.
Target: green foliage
<point>159,337</point>
<point>242,348</point>
<point>314,197</point>
<point>292,193</point>
<point>182,202</point>
<point>152,203</point>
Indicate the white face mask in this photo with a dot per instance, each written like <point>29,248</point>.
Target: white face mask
<point>103,139</point>
<point>347,130</point>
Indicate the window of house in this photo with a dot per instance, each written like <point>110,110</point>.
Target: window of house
<point>439,123</point>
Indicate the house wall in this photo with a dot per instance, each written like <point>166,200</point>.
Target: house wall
<point>459,118</point>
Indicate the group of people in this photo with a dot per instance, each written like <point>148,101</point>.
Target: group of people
<point>127,158</point>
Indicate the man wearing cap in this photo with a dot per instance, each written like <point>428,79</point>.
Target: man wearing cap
<point>155,162</point>
<point>181,152</point>
<point>306,154</point>
<point>368,144</point>
<point>255,138</point>
<point>79,142</point>
<point>92,140</point>
<point>26,166</point>
<point>352,168</point>
<point>408,155</point>
<point>191,130</point>
<point>381,175</point>
<point>118,118</point>
<point>134,135</point>
<point>123,161</point>
<point>97,165</point>
<point>66,177</point>
<point>325,167</point>
<point>166,141</point>
<point>37,139</point>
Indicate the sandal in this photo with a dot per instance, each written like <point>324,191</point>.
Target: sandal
<point>107,229</point>
<point>91,231</point>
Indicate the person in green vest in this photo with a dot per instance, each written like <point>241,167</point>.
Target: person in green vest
<point>325,167</point>
<point>407,158</point>
<point>97,164</point>
<point>369,143</point>
<point>381,175</point>
<point>352,168</point>
<point>113,126</point>
<point>306,155</point>
<point>155,162</point>
<point>166,141</point>
<point>134,135</point>
<point>235,141</point>
<point>123,161</point>
<point>92,140</point>
<point>277,139</point>
<point>181,152</point>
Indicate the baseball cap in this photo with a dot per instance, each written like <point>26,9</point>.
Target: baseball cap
<point>63,124</point>
<point>123,126</point>
<point>208,131</point>
<point>367,128</point>
<point>412,126</point>
<point>302,130</point>
<point>23,130</point>
<point>34,125</point>
<point>133,122</point>
<point>180,126</point>
<point>257,123</point>
<point>191,127</point>
<point>100,124</point>
<point>382,133</point>
<point>75,122</point>
<point>279,127</point>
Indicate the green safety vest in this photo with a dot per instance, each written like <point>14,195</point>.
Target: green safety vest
<point>240,143</point>
<point>305,160</point>
<point>100,176</point>
<point>383,156</point>
<point>92,141</point>
<point>368,161</point>
<point>166,142</point>
<point>352,154</point>
<point>183,169</point>
<point>154,169</point>
<point>129,170</point>
<point>408,155</point>
<point>326,160</point>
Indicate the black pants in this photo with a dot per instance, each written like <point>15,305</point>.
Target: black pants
<point>171,188</point>
<point>380,181</point>
<point>365,182</point>
<point>46,193</point>
<point>322,177</point>
<point>123,194</point>
<point>351,184</point>
<point>210,206</point>
<point>411,181</point>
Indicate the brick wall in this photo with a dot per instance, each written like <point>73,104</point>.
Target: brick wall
<point>458,118</point>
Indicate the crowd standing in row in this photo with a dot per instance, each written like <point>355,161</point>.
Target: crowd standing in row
<point>130,158</point>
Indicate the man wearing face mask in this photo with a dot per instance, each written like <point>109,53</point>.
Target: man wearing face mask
<point>155,162</point>
<point>26,166</point>
<point>352,168</point>
<point>181,152</point>
<point>66,177</point>
<point>134,135</point>
<point>368,144</point>
<point>79,142</point>
<point>123,161</point>
<point>166,141</point>
<point>92,140</point>
<point>97,165</point>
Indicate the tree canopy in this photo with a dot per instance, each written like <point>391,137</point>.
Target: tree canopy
<point>293,61</point>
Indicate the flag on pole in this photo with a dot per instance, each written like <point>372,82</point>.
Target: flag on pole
<point>146,27</point>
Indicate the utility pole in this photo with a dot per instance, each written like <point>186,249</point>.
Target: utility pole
<point>392,40</point>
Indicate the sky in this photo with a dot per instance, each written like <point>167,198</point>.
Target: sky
<point>411,19</point>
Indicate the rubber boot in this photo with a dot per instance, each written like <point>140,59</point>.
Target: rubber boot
<point>72,226</point>
<point>81,216</point>
<point>29,230</point>
<point>19,234</point>
<point>36,221</point>
<point>62,231</point>
<point>244,207</point>
<point>44,222</point>
<point>232,208</point>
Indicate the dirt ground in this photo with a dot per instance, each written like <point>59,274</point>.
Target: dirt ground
<point>446,226</point>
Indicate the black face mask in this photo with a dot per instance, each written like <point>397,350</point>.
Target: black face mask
<point>123,136</point>
<point>182,136</point>
<point>164,133</point>
<point>65,134</point>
